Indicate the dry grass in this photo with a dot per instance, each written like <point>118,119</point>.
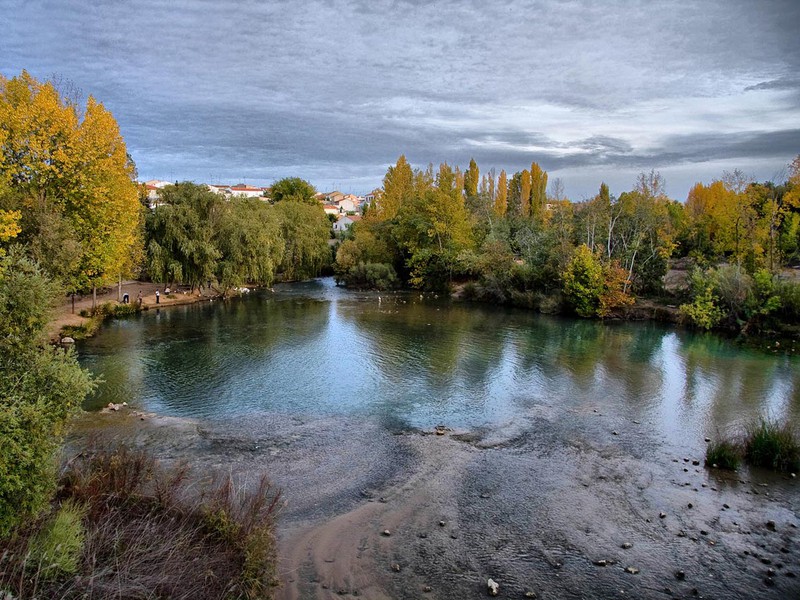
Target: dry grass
<point>153,533</point>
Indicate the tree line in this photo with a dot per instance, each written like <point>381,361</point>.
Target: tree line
<point>510,240</point>
<point>73,219</point>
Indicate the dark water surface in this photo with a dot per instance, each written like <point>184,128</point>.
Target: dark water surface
<point>317,350</point>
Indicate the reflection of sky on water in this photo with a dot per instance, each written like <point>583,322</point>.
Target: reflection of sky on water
<point>315,349</point>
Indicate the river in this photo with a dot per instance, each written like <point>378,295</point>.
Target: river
<point>562,440</point>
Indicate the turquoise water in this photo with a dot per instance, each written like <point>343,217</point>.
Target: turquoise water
<point>412,361</point>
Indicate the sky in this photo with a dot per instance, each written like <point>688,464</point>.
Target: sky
<point>251,91</point>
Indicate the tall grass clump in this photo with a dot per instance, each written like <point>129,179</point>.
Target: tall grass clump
<point>768,444</point>
<point>130,528</point>
<point>723,454</point>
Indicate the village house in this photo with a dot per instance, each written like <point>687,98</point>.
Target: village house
<point>345,222</point>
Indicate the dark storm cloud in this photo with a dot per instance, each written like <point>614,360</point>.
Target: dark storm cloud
<point>336,90</point>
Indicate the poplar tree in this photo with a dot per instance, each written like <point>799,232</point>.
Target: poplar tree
<point>501,195</point>
<point>471,179</point>
<point>538,191</point>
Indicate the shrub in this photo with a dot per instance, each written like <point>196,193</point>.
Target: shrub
<point>723,454</point>
<point>771,445</point>
<point>149,532</point>
<point>379,276</point>
<point>40,387</point>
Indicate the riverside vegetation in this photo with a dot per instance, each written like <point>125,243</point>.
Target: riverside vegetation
<point>73,219</point>
<point>506,240</point>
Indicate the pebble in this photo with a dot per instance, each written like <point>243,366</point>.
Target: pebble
<point>708,439</point>
<point>696,463</point>
<point>530,594</point>
<point>600,563</point>
<point>492,587</point>
<point>766,561</point>
<point>690,505</point>
<point>614,433</point>
<point>386,533</point>
<point>703,532</point>
<point>426,588</point>
<point>680,575</point>
<point>626,545</point>
<point>769,581</point>
<point>771,525</point>
<point>442,523</point>
<point>725,506</point>
<point>662,515</point>
<point>631,570</point>
<point>396,568</point>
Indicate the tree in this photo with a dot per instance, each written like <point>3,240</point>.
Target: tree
<point>305,230</point>
<point>398,186</point>
<point>592,288</point>
<point>182,235</point>
<point>250,244</point>
<point>294,189</point>
<point>501,196</point>
<point>40,389</point>
<point>471,179</point>
<point>538,191</point>
<point>72,180</point>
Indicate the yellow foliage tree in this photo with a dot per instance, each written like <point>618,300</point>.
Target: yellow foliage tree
<point>54,162</point>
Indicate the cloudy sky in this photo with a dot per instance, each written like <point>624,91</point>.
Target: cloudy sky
<point>254,90</point>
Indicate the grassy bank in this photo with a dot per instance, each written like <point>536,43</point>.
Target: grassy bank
<point>124,527</point>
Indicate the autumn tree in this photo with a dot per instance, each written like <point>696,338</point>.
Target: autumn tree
<point>501,195</point>
<point>471,179</point>
<point>67,170</point>
<point>538,191</point>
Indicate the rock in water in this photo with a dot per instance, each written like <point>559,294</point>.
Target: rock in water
<point>67,340</point>
<point>493,587</point>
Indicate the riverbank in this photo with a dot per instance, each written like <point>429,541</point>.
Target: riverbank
<point>409,513</point>
<point>66,315</point>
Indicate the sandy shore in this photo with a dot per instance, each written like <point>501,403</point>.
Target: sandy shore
<point>555,506</point>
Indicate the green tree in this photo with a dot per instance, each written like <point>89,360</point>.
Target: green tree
<point>305,230</point>
<point>40,388</point>
<point>182,234</point>
<point>250,244</point>
<point>294,189</point>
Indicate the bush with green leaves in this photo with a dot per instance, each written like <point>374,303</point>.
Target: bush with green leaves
<point>40,387</point>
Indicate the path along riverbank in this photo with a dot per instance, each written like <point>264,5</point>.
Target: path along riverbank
<point>68,315</point>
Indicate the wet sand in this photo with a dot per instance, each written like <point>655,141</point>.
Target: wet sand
<point>558,506</point>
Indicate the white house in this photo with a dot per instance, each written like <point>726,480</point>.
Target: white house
<point>345,222</point>
<point>330,209</point>
<point>246,191</point>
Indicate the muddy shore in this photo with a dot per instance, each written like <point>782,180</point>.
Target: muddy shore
<point>566,504</point>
